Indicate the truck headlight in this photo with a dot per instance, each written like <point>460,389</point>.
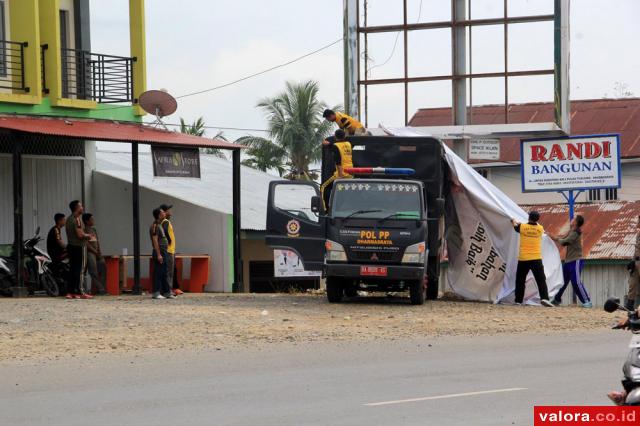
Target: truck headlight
<point>334,252</point>
<point>415,253</point>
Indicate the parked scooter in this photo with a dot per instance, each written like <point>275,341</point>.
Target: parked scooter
<point>36,268</point>
<point>631,368</point>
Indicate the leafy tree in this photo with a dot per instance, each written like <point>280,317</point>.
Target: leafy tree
<point>198,128</point>
<point>296,132</point>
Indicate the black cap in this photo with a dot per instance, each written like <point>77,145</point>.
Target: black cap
<point>156,213</point>
<point>166,207</point>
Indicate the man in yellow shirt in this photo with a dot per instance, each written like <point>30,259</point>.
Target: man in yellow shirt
<point>350,125</point>
<point>530,258</point>
<point>172,270</point>
<point>342,158</point>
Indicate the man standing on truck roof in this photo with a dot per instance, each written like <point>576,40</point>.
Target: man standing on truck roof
<point>347,123</point>
<point>530,258</point>
<point>342,158</point>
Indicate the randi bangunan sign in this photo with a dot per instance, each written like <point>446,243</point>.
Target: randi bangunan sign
<point>576,162</point>
<point>176,162</point>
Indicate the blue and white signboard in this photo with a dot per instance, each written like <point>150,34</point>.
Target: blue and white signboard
<point>570,163</point>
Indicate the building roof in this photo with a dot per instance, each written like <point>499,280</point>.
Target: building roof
<point>595,116</point>
<point>104,130</point>
<point>213,190</point>
<point>609,231</point>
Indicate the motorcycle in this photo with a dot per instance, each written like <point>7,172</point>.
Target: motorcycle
<point>631,368</point>
<point>5,278</point>
<point>36,268</point>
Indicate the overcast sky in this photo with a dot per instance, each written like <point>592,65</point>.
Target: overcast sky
<point>197,44</point>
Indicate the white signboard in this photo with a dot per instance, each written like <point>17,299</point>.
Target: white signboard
<point>484,149</point>
<point>286,263</point>
<point>577,162</point>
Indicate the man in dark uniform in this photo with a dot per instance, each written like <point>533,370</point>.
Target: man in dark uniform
<point>77,249</point>
<point>342,158</point>
<point>56,248</point>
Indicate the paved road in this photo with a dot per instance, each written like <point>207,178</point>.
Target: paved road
<point>447,381</point>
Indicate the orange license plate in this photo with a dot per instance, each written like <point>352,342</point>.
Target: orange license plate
<point>373,271</point>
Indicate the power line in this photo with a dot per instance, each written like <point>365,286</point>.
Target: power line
<point>211,89</point>
<point>215,127</point>
<point>261,72</point>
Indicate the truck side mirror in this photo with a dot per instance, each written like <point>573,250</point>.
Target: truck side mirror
<point>316,205</point>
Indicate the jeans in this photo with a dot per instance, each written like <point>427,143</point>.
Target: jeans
<point>535,266</point>
<point>160,284</point>
<point>170,260</point>
<point>77,264</point>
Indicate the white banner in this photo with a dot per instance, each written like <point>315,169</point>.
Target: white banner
<point>483,247</point>
<point>578,162</point>
<point>286,263</point>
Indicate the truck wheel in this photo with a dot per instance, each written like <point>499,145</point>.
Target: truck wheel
<point>417,292</point>
<point>432,289</point>
<point>335,291</point>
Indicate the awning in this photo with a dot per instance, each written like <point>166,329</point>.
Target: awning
<point>109,131</point>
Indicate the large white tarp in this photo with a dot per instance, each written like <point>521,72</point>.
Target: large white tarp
<point>482,245</point>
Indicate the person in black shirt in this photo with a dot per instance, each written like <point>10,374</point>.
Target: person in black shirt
<point>56,247</point>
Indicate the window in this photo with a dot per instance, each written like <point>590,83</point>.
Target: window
<point>295,199</point>
<point>64,55</point>
<point>484,173</point>
<point>594,195</point>
<point>611,194</point>
<point>3,38</point>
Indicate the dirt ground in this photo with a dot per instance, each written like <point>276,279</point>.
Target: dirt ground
<point>46,328</point>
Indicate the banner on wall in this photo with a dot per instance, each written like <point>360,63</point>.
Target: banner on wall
<point>176,162</point>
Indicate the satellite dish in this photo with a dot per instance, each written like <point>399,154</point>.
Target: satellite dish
<point>159,103</point>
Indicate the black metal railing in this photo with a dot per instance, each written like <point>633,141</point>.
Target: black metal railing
<point>98,77</point>
<point>12,65</point>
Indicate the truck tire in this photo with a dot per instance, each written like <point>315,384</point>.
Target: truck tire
<point>417,292</point>
<point>335,292</point>
<point>351,291</point>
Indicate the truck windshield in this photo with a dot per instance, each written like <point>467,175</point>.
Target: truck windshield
<point>377,200</point>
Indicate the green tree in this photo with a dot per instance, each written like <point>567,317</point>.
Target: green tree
<point>296,132</point>
<point>198,128</point>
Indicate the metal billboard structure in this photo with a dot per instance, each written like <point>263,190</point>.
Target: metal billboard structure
<point>357,80</point>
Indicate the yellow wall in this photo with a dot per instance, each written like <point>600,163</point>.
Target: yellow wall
<point>253,250</point>
<point>138,49</point>
<point>23,27</point>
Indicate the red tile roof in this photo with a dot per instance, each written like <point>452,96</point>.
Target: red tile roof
<point>609,231</point>
<point>112,131</point>
<point>587,117</point>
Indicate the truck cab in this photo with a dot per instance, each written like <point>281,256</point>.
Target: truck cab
<point>381,232</point>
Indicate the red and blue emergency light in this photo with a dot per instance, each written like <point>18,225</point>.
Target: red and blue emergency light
<point>398,171</point>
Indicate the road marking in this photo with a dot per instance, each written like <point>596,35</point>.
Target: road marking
<point>452,395</point>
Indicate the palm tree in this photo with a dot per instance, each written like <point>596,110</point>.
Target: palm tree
<point>198,128</point>
<point>296,130</point>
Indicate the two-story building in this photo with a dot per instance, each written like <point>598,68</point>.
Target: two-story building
<point>47,68</point>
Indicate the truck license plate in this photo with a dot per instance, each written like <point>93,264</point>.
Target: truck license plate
<point>373,271</point>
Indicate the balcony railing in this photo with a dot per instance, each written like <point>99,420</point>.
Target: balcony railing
<point>97,77</point>
<point>12,65</point>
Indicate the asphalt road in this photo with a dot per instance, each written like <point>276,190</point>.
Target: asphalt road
<point>446,381</point>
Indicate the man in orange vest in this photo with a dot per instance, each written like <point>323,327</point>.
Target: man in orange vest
<point>530,258</point>
<point>343,159</point>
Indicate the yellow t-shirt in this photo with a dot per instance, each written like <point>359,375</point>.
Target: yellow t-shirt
<point>171,248</point>
<point>347,123</point>
<point>530,241</point>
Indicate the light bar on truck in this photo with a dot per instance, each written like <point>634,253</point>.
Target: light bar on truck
<point>397,171</point>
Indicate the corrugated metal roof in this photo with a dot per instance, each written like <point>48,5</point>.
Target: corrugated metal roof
<point>102,130</point>
<point>609,231</point>
<point>587,117</point>
<point>212,191</point>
